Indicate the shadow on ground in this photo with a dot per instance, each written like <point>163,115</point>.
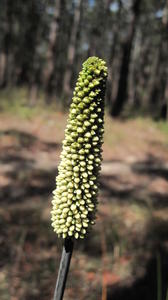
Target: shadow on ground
<point>30,251</point>
<point>153,284</point>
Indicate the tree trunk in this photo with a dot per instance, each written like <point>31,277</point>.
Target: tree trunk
<point>2,67</point>
<point>158,83</point>
<point>166,99</point>
<point>139,75</point>
<point>116,30</point>
<point>49,74</point>
<point>165,46</point>
<point>51,44</point>
<point>72,49</point>
<point>97,30</point>
<point>153,84</point>
<point>126,57</point>
<point>7,57</point>
<point>33,35</point>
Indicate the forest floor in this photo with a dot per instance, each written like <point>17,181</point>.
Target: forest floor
<point>126,253</point>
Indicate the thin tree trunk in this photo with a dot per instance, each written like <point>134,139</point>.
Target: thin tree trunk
<point>49,74</point>
<point>160,70</point>
<point>2,67</point>
<point>165,37</point>
<point>32,94</point>
<point>97,31</point>
<point>166,99</point>
<point>7,46</point>
<point>126,57</point>
<point>71,48</point>
<point>139,75</point>
<point>34,42</point>
<point>52,42</point>
<point>150,95</point>
<point>116,30</point>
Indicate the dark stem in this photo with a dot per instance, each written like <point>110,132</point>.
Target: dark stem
<point>63,269</point>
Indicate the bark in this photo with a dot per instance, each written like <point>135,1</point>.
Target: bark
<point>126,57</point>
<point>53,34</point>
<point>157,87</point>
<point>153,85</point>
<point>7,47</point>
<point>113,48</point>
<point>165,46</point>
<point>28,55</point>
<point>32,94</point>
<point>139,74</point>
<point>34,34</point>
<point>97,32</point>
<point>72,49</point>
<point>2,67</point>
<point>166,99</point>
<point>55,28</point>
<point>165,38</point>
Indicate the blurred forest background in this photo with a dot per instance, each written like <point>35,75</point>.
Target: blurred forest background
<point>44,42</point>
<point>42,46</point>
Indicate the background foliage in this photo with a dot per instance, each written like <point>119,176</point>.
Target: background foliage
<point>43,43</point>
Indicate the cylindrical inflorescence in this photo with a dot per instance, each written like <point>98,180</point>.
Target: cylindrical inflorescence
<point>75,197</point>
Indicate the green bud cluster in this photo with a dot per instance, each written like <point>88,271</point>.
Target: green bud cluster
<point>75,198</point>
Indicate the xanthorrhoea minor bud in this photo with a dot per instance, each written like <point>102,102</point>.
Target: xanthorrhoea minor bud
<point>75,197</point>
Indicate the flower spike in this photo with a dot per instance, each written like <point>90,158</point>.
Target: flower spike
<point>75,198</point>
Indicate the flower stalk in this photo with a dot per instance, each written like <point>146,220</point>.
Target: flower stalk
<point>63,269</point>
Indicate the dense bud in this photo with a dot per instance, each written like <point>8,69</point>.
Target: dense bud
<point>75,197</point>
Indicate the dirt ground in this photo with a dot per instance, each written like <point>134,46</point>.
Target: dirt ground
<point>126,253</point>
